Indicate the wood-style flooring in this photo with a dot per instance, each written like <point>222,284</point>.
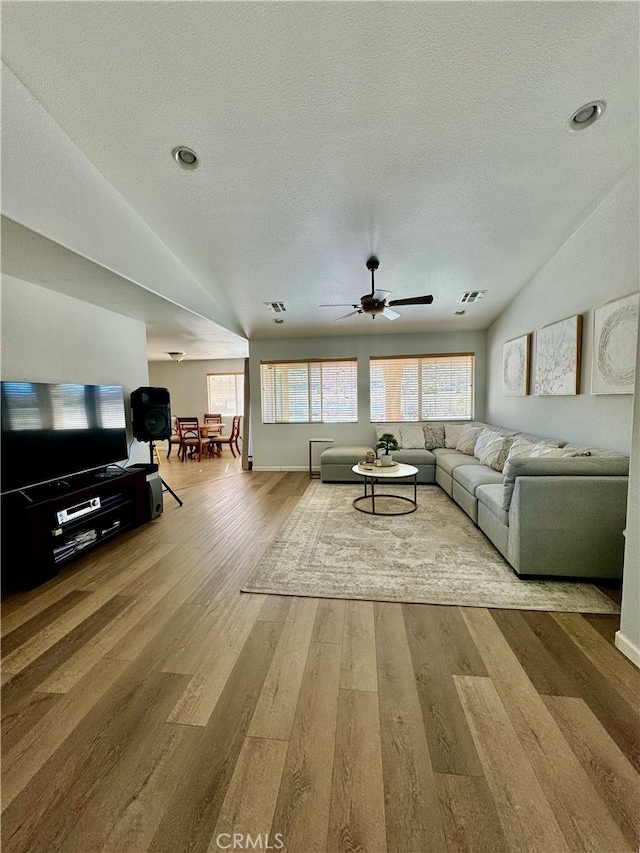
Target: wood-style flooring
<point>148,705</point>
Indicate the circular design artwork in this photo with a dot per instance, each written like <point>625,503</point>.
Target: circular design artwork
<point>513,368</point>
<point>616,347</point>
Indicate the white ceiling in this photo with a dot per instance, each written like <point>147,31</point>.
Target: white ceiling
<point>433,134</point>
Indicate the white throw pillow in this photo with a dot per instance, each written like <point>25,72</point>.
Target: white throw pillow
<point>452,435</point>
<point>520,447</point>
<point>434,436</point>
<point>412,437</point>
<point>394,429</point>
<point>491,449</point>
<point>468,436</point>
<point>541,450</point>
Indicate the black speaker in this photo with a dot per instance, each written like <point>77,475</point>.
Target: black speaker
<point>154,491</point>
<point>151,414</point>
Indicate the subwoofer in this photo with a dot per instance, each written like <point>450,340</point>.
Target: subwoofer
<point>154,493</point>
<point>151,414</point>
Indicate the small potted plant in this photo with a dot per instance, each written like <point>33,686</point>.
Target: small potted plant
<point>388,442</point>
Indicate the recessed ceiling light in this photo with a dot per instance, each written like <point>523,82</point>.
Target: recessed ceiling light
<point>586,115</point>
<point>460,312</point>
<point>185,157</point>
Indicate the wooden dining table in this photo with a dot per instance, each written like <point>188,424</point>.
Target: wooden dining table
<point>210,430</point>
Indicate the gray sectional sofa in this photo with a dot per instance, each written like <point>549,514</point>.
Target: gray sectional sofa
<point>549,507</point>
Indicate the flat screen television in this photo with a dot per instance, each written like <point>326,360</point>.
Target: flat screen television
<point>50,432</point>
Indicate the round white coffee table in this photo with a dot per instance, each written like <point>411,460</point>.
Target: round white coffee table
<point>391,472</point>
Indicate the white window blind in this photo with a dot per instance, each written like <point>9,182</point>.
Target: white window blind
<point>309,391</point>
<point>226,393</point>
<point>420,388</point>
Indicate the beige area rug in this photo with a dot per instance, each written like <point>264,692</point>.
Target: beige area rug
<point>436,555</point>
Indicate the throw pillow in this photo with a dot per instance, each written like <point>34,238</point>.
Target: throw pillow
<point>434,435</point>
<point>491,449</point>
<point>412,437</point>
<point>452,435</point>
<point>394,429</point>
<point>467,441</point>
<point>543,450</point>
<point>520,446</point>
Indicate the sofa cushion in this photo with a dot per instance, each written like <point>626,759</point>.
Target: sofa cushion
<point>472,476</point>
<point>412,437</point>
<point>414,456</point>
<point>491,496</point>
<point>433,435</point>
<point>452,435</point>
<point>492,448</point>
<point>468,436</point>
<point>442,451</point>
<point>449,460</point>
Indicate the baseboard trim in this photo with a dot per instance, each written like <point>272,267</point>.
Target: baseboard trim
<point>628,649</point>
<point>283,468</point>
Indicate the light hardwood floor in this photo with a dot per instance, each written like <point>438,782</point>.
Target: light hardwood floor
<point>148,705</point>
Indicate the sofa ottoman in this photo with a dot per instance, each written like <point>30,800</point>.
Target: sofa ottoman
<point>336,463</point>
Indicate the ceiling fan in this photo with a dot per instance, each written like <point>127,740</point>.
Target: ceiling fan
<point>375,303</point>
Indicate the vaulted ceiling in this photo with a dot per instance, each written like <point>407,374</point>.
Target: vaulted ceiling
<point>432,134</point>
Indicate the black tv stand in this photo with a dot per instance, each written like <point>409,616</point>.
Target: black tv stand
<point>44,529</point>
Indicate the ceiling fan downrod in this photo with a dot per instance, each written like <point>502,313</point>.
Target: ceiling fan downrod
<point>372,264</point>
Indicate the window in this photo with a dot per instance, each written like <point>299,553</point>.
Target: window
<point>226,393</point>
<point>309,391</point>
<point>423,387</point>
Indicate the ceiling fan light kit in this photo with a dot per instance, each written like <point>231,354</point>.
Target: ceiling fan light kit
<point>375,303</point>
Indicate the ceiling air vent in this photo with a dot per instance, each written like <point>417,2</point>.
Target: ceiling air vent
<point>276,307</point>
<point>471,296</point>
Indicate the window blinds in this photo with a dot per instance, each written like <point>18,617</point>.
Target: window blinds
<point>420,388</point>
<point>309,391</point>
<point>226,393</point>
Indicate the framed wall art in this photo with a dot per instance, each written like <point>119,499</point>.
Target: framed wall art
<point>515,366</point>
<point>615,336</point>
<point>558,351</point>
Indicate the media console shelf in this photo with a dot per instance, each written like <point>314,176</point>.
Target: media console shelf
<point>46,527</point>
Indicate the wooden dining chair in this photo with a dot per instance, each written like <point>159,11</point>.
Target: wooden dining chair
<point>232,439</point>
<point>174,438</point>
<point>213,419</point>
<point>190,438</point>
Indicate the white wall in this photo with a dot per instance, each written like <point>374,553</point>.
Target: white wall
<point>50,186</point>
<point>49,337</point>
<point>187,382</point>
<point>598,263</point>
<point>286,446</point>
<point>628,637</point>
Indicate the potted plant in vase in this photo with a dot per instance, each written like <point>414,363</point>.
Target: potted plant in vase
<point>387,441</point>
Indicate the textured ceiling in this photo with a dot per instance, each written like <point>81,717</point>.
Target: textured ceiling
<point>432,134</point>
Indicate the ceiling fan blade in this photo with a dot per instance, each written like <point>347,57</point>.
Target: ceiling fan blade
<point>380,295</point>
<point>350,314</point>
<point>415,300</point>
<point>390,315</point>
<point>339,305</point>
